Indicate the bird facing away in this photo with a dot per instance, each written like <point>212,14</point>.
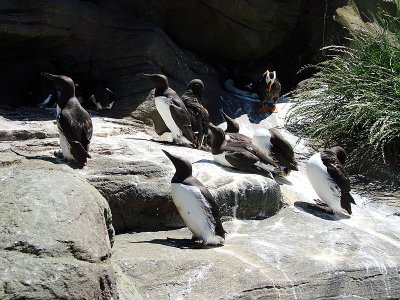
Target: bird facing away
<point>172,110</point>
<point>328,177</point>
<point>199,117</point>
<point>243,156</point>
<point>279,148</point>
<point>195,204</point>
<point>267,87</point>
<point>73,121</point>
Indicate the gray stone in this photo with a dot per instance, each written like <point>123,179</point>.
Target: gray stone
<point>55,233</point>
<point>295,254</point>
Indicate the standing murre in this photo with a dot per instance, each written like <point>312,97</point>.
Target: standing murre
<point>195,204</point>
<point>328,177</point>
<point>172,110</point>
<point>73,121</point>
<point>199,117</point>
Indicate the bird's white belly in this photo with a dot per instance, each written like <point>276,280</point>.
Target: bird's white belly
<point>163,104</point>
<point>65,147</point>
<point>192,206</point>
<point>323,184</point>
<point>220,158</point>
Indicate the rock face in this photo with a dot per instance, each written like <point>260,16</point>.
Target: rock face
<point>127,38</point>
<point>55,233</point>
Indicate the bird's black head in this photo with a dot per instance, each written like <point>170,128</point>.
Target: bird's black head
<point>197,86</point>
<point>183,167</point>
<point>340,154</point>
<point>232,124</point>
<point>63,83</point>
<point>160,81</point>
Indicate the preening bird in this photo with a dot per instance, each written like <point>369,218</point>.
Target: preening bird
<point>328,177</point>
<point>199,118</point>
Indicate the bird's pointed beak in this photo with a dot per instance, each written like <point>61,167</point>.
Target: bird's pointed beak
<point>48,75</point>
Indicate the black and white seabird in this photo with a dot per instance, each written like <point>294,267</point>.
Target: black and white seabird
<point>172,110</point>
<point>101,96</point>
<point>73,121</point>
<point>270,140</point>
<point>242,156</point>
<point>232,130</point>
<point>279,148</point>
<point>199,117</point>
<point>195,204</point>
<point>328,177</point>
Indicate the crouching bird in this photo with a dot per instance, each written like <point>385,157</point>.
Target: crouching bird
<point>73,121</point>
<point>195,204</point>
<point>328,177</point>
<point>243,155</point>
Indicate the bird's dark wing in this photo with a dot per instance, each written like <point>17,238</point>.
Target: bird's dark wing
<point>240,157</point>
<point>283,146</point>
<point>77,132</point>
<point>181,116</point>
<point>336,170</point>
<point>213,210</point>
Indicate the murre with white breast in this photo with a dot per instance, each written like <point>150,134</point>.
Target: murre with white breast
<point>172,110</point>
<point>73,121</point>
<point>195,204</point>
<point>328,177</point>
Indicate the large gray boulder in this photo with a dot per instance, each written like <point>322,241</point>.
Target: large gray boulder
<point>56,233</point>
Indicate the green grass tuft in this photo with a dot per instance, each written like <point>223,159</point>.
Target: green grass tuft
<point>354,97</point>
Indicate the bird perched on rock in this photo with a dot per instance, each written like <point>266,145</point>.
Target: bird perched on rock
<point>267,87</point>
<point>279,148</point>
<point>232,130</point>
<point>270,140</point>
<point>100,94</point>
<point>195,204</point>
<point>199,118</point>
<point>73,121</point>
<point>172,110</point>
<point>328,177</point>
<point>243,156</point>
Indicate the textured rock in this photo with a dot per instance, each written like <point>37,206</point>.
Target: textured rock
<point>292,255</point>
<point>55,233</point>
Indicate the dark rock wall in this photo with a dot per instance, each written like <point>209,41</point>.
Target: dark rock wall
<point>183,39</point>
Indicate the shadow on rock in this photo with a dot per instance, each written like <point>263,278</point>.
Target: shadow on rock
<point>318,211</point>
<point>178,243</point>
